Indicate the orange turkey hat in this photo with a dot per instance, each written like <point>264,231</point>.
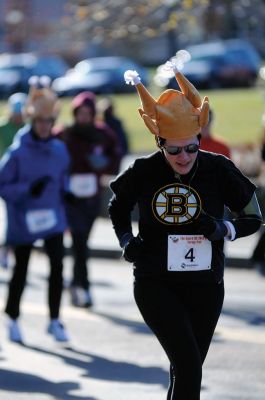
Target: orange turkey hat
<point>175,114</point>
<point>42,101</point>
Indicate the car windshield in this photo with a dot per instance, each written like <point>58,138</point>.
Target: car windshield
<point>208,58</point>
<point>13,68</point>
<point>107,65</point>
<point>86,67</point>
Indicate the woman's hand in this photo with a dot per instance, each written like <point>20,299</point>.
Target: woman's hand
<point>132,249</point>
<point>210,227</point>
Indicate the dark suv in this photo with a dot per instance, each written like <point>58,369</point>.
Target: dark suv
<point>228,63</point>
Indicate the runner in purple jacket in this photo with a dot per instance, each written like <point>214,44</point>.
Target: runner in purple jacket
<point>33,179</point>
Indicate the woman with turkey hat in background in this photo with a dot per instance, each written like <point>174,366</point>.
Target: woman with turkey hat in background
<point>33,178</point>
<point>177,253</point>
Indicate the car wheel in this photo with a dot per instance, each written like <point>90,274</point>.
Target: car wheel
<point>251,81</point>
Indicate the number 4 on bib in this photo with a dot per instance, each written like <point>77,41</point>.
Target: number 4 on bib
<point>189,253</point>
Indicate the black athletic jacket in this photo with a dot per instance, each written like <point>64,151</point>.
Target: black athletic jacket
<point>170,205</point>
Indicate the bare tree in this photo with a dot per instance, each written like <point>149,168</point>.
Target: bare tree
<point>126,26</point>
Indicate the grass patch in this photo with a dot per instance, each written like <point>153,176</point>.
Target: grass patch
<point>237,116</point>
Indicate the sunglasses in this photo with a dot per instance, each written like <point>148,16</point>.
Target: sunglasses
<point>45,120</point>
<point>174,150</point>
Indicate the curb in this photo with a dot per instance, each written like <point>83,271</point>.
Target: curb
<point>238,263</point>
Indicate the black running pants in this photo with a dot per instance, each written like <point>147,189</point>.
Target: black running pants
<point>183,318</point>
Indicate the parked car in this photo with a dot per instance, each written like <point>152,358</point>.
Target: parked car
<point>16,69</point>
<point>228,63</point>
<point>101,75</point>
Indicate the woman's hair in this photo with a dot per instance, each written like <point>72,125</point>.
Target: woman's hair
<point>161,141</point>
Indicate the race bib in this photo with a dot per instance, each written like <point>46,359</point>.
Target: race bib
<point>40,220</point>
<point>83,185</point>
<point>189,253</point>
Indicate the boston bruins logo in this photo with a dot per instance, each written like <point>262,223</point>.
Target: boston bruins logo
<point>176,204</point>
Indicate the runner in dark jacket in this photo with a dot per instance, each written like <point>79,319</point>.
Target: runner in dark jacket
<point>94,151</point>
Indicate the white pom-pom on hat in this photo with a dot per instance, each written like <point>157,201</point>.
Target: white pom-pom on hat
<point>170,66</point>
<point>33,80</point>
<point>45,81</point>
<point>131,77</point>
<point>39,81</point>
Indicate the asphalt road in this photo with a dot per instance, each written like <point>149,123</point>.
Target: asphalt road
<point>113,356</point>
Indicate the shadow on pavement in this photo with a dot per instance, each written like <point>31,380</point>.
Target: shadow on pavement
<point>30,284</point>
<point>249,316</point>
<point>135,326</point>
<point>16,381</point>
<point>101,368</point>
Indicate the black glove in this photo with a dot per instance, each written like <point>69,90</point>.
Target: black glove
<point>132,249</point>
<point>210,227</point>
<point>39,185</point>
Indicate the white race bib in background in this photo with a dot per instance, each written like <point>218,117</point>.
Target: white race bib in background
<point>83,185</point>
<point>40,220</point>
